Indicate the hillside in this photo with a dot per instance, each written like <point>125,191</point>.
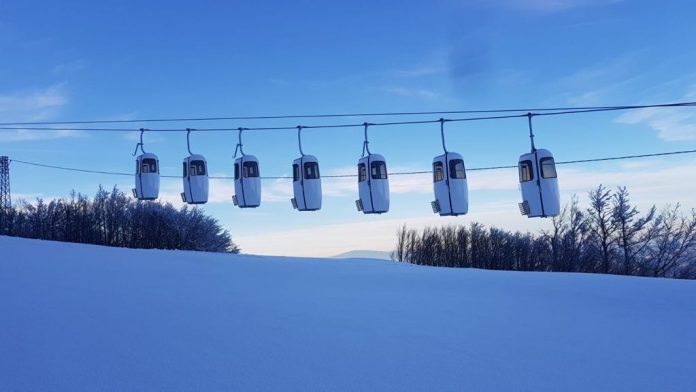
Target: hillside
<point>88,318</point>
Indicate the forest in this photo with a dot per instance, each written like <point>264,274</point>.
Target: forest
<point>609,236</point>
<point>111,218</point>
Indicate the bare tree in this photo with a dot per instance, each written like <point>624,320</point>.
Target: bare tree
<point>602,226</point>
<point>674,243</point>
<point>631,237</point>
<point>611,236</point>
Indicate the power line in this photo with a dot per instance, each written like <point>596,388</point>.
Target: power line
<point>538,111</point>
<point>649,155</point>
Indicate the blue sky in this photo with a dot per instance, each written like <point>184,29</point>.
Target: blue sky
<point>128,60</point>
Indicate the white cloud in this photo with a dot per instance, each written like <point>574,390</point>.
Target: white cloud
<point>277,191</point>
<point>658,184</point>
<point>603,81</point>
<point>398,184</point>
<point>671,124</point>
<point>19,135</point>
<point>552,5</point>
<point>70,66</point>
<point>33,105</point>
<point>219,191</point>
<point>408,92</point>
<point>420,71</point>
<point>339,187</point>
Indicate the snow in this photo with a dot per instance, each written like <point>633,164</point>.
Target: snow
<point>87,318</point>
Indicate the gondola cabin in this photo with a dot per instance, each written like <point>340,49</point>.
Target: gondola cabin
<point>539,185</point>
<point>306,184</point>
<point>195,180</point>
<point>147,177</point>
<point>449,185</point>
<point>247,182</point>
<point>373,185</point>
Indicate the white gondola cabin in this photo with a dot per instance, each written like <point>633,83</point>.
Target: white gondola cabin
<point>539,185</point>
<point>306,184</point>
<point>373,185</point>
<point>247,182</point>
<point>147,177</point>
<point>195,180</point>
<point>450,185</point>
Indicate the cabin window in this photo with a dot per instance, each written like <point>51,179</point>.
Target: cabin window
<point>311,171</point>
<point>197,168</point>
<point>526,172</point>
<point>379,170</point>
<point>250,169</point>
<point>548,167</point>
<point>362,173</point>
<point>295,172</point>
<point>236,171</point>
<point>438,172</point>
<point>149,165</point>
<point>457,170</point>
<point>137,167</point>
<point>185,174</point>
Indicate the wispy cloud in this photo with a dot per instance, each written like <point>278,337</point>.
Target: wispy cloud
<point>219,191</point>
<point>278,190</point>
<point>23,135</point>
<point>33,105</point>
<point>671,124</point>
<point>398,184</point>
<point>420,93</point>
<point>603,81</point>
<point>70,66</point>
<point>420,71</point>
<point>549,6</point>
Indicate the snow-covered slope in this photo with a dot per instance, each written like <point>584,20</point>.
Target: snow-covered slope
<point>87,318</point>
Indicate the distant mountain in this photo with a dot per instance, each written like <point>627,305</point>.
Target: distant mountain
<point>364,254</point>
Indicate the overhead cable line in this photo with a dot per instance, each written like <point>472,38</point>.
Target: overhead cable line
<point>280,128</point>
<point>354,125</point>
<point>542,111</point>
<point>659,154</point>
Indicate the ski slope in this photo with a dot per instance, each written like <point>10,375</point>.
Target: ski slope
<point>87,318</point>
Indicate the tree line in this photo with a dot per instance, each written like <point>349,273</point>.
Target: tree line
<point>611,236</point>
<point>113,219</point>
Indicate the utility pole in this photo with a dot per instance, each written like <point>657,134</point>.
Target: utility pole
<point>5,201</point>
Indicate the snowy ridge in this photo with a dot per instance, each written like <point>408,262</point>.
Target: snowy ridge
<point>87,318</point>
<point>364,254</point>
